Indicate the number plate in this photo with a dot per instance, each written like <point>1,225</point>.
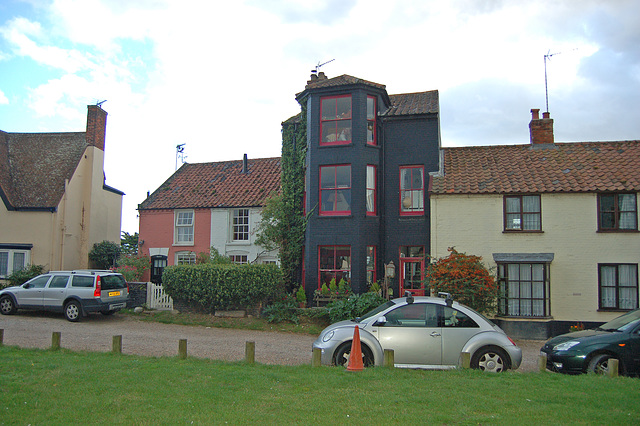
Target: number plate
<point>114,293</point>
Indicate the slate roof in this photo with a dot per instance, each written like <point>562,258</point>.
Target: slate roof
<point>34,167</point>
<point>413,103</point>
<point>217,185</point>
<point>342,80</point>
<point>559,167</point>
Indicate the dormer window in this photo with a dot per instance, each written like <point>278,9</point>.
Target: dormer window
<point>371,120</point>
<point>335,120</point>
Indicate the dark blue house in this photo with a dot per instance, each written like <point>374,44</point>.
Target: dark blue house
<point>369,155</point>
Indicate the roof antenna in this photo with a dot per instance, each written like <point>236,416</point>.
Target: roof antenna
<point>180,154</point>
<point>315,71</point>
<point>546,91</point>
<point>99,103</point>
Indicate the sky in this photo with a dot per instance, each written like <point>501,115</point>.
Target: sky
<point>221,76</point>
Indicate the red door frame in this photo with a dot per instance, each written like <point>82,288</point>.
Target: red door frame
<point>403,262</point>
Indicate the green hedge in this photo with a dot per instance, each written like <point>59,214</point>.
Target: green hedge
<point>212,286</point>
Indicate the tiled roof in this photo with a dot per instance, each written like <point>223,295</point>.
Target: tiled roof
<point>34,167</point>
<point>220,184</point>
<point>413,103</point>
<point>341,80</point>
<point>560,167</point>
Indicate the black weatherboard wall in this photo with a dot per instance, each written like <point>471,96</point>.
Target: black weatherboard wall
<point>407,134</point>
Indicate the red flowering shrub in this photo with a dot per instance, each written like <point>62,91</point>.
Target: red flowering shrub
<point>466,278</point>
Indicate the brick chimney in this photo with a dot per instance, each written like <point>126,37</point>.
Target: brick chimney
<point>316,77</point>
<point>96,126</point>
<point>540,129</point>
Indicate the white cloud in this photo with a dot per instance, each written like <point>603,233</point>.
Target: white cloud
<point>3,98</point>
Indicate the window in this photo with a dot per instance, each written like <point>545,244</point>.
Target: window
<point>335,190</point>
<point>335,262</point>
<point>59,281</point>
<point>618,286</point>
<point>240,259</point>
<point>411,190</point>
<point>371,120</point>
<point>335,120</point>
<point>371,191</point>
<point>82,281</point>
<point>618,212</point>
<point>185,258</point>
<point>412,270</point>
<point>372,276</point>
<point>455,318</point>
<point>241,225</point>
<point>522,213</point>
<point>523,289</point>
<point>184,227</point>
<point>12,261</point>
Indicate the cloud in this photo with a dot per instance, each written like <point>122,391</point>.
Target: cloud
<point>3,98</point>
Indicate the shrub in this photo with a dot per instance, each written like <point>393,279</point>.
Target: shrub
<point>353,307</point>
<point>132,267</point>
<point>466,278</point>
<point>25,274</point>
<point>282,310</point>
<point>105,254</point>
<point>301,296</point>
<point>212,286</point>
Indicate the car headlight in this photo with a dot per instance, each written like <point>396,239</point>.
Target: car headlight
<point>565,346</point>
<point>328,336</point>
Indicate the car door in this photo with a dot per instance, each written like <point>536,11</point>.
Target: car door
<point>412,332</point>
<point>457,329</point>
<point>31,293</point>
<point>54,293</point>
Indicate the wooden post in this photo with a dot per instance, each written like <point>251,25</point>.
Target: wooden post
<point>542,363</point>
<point>389,358</point>
<point>116,346</point>
<point>316,359</point>
<point>182,349</point>
<point>250,352</point>
<point>55,340</point>
<point>1,336</point>
<point>614,364</point>
<point>466,359</point>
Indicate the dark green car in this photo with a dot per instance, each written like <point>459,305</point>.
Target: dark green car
<point>591,350</point>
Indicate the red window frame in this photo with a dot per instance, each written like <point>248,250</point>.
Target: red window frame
<point>335,121</point>
<point>372,275</point>
<point>335,188</point>
<point>332,264</point>
<point>372,190</point>
<point>371,120</point>
<point>414,195</point>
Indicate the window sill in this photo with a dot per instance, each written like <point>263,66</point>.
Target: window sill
<point>511,317</point>
<point>517,231</point>
<point>615,310</point>
<point>617,231</point>
<point>183,244</point>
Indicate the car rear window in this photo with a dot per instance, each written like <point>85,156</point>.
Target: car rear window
<point>113,282</point>
<point>82,281</point>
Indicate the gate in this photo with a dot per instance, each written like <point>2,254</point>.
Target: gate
<point>157,298</point>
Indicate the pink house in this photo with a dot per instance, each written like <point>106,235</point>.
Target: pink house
<point>206,205</point>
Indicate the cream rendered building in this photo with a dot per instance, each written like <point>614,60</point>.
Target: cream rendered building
<point>55,203</point>
<point>557,222</point>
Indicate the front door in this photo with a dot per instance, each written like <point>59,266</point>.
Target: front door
<point>158,263</point>
<point>411,276</point>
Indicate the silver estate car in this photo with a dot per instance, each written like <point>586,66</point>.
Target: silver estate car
<point>74,293</point>
<point>424,332</point>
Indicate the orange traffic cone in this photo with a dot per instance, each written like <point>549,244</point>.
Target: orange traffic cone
<point>355,357</point>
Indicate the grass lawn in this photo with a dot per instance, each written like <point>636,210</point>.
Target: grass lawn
<point>64,387</point>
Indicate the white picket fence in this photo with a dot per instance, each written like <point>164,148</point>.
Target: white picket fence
<point>157,298</point>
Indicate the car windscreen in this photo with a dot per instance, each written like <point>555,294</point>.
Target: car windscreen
<point>112,282</point>
<point>376,311</point>
<point>624,322</point>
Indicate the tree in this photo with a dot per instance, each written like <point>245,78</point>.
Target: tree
<point>129,243</point>
<point>105,254</point>
<point>466,279</point>
<point>283,221</point>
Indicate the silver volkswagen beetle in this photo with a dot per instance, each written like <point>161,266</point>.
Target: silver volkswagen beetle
<point>424,332</point>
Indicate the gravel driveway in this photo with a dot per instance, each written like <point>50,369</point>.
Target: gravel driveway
<point>96,332</point>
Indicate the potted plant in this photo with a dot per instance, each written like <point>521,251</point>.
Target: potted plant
<point>301,297</point>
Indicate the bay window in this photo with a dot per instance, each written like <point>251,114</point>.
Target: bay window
<point>371,191</point>
<point>371,120</point>
<point>335,120</point>
<point>523,289</point>
<point>334,263</point>
<point>335,190</point>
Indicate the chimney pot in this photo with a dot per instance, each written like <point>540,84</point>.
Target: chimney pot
<point>545,114</point>
<point>245,167</point>
<point>540,130</point>
<point>535,113</point>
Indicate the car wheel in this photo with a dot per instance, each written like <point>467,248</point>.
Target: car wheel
<point>7,307</point>
<point>341,356</point>
<point>491,359</point>
<point>72,311</point>
<point>599,364</point>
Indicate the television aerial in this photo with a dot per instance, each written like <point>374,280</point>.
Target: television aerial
<point>180,154</point>
<point>546,91</point>
<point>315,71</point>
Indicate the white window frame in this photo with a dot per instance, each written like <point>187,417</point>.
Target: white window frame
<point>182,225</point>
<point>239,259</point>
<point>235,225</point>
<point>10,260</point>
<point>185,258</point>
